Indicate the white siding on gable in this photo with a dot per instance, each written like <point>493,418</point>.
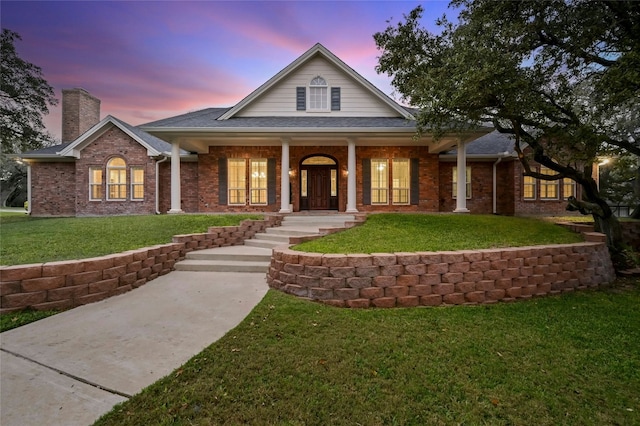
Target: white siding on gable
<point>280,100</point>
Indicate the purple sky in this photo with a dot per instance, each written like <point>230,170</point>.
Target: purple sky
<point>147,60</point>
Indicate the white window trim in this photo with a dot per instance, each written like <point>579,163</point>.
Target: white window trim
<point>92,183</point>
<point>386,188</point>
<point>229,188</point>
<point>407,188</point>
<point>266,180</point>
<point>535,189</point>
<point>327,95</point>
<point>109,185</point>
<point>548,183</point>
<point>454,182</point>
<point>134,184</point>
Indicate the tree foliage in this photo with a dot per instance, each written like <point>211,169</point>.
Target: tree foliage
<point>561,76</point>
<point>24,98</point>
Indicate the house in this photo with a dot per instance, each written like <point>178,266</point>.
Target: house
<point>316,136</point>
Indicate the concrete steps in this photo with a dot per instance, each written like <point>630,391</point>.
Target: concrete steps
<point>255,254</point>
<point>227,259</point>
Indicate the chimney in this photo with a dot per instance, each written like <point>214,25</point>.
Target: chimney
<point>80,111</point>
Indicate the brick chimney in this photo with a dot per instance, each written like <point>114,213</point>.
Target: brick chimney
<point>80,111</point>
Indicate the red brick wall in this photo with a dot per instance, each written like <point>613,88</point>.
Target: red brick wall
<point>114,143</point>
<point>537,206</point>
<point>188,186</point>
<point>80,111</point>
<point>429,177</point>
<point>53,191</point>
<point>208,185</point>
<point>481,200</point>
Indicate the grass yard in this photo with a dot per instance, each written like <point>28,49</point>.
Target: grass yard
<point>26,239</point>
<point>384,233</point>
<point>17,319</point>
<point>572,360</point>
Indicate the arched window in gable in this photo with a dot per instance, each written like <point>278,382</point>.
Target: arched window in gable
<point>318,94</point>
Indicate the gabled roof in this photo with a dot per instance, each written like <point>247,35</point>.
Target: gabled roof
<point>154,145</point>
<point>317,50</point>
<point>494,144</point>
<point>207,119</point>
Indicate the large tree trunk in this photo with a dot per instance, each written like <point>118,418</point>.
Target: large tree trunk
<point>607,223</point>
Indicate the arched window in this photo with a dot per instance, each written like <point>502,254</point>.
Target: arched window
<point>318,94</point>
<point>117,179</point>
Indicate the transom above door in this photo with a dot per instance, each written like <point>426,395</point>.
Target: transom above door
<point>318,183</point>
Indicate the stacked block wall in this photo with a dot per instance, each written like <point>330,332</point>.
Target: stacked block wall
<point>66,284</point>
<point>388,280</point>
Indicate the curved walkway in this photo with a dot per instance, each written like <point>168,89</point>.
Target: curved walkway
<point>71,368</point>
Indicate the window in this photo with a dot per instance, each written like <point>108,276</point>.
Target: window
<point>400,181</point>
<point>318,94</point>
<point>548,188</point>
<point>137,183</point>
<point>95,183</point>
<point>379,184</point>
<point>258,182</point>
<point>568,188</point>
<point>528,188</point>
<point>237,181</point>
<point>454,182</point>
<point>117,179</point>
<point>303,183</point>
<point>334,183</point>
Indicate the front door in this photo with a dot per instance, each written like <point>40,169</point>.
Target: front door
<point>318,183</point>
<point>319,186</point>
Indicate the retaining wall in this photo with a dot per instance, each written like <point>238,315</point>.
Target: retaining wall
<point>387,280</point>
<point>66,284</point>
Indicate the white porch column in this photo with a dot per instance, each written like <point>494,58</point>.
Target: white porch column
<point>461,189</point>
<point>284,178</point>
<point>175,179</point>
<point>351,176</point>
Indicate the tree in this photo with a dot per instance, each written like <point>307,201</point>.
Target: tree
<point>24,99</point>
<point>561,76</point>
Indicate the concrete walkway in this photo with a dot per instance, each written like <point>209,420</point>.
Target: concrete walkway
<point>71,368</point>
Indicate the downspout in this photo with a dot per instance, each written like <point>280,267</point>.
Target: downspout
<point>29,189</point>
<point>495,182</point>
<point>158,183</point>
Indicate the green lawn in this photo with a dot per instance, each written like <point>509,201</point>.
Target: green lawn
<point>26,239</point>
<point>572,360</point>
<point>384,233</point>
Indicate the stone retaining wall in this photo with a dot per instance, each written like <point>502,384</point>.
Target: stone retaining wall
<point>66,284</point>
<point>387,280</point>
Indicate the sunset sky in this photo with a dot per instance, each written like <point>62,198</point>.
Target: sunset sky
<point>147,60</point>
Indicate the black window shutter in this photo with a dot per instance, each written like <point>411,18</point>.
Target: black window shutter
<point>301,98</point>
<point>271,180</point>
<point>366,181</point>
<point>415,181</point>
<point>335,99</point>
<point>222,181</point>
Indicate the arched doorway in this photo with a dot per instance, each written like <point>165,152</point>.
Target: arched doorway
<point>319,183</point>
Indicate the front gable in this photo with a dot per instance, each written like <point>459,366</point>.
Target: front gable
<point>288,93</point>
<point>152,144</point>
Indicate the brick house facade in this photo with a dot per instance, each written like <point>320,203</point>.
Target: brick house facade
<point>316,136</point>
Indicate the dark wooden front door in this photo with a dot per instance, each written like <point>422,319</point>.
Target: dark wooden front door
<point>319,186</point>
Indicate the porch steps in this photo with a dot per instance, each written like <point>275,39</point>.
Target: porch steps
<point>255,254</point>
<point>227,259</point>
<point>299,226</point>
